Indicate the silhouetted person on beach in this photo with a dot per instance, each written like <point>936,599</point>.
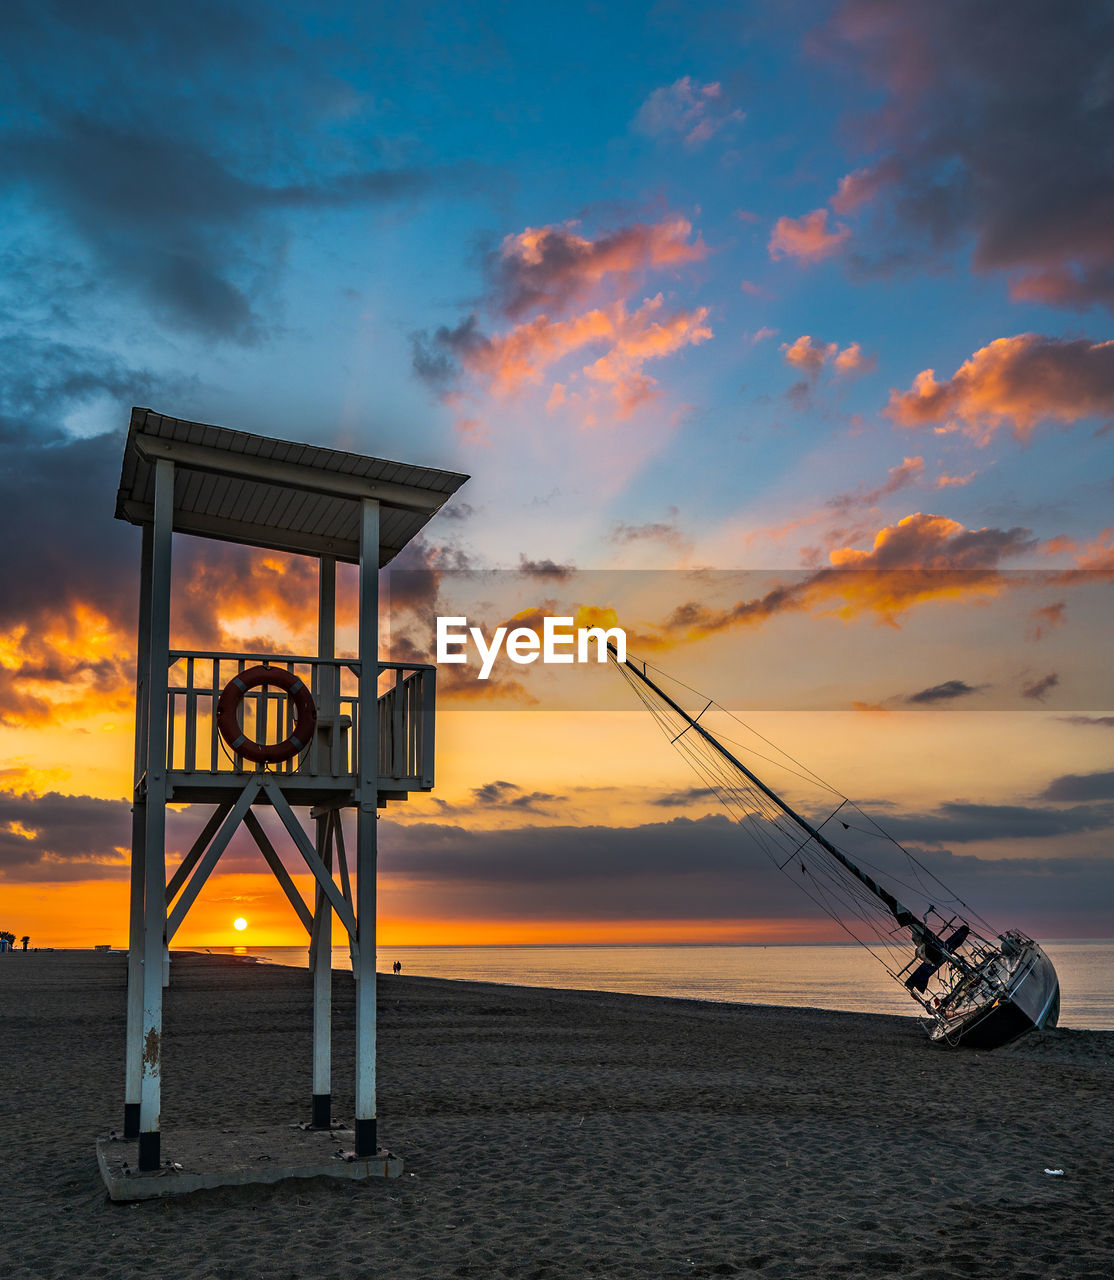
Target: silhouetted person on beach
<point>397,966</point>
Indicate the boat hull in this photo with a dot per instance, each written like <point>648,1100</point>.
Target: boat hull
<point>1031,1002</point>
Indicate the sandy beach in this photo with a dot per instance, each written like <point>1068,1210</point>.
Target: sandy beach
<point>558,1134</point>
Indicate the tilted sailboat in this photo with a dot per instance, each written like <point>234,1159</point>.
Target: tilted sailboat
<point>975,988</point>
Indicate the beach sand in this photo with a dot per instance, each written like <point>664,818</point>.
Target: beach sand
<point>556,1133</point>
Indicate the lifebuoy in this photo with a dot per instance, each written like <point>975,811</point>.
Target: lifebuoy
<point>228,717</point>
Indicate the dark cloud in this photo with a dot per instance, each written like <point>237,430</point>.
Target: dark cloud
<point>1038,690</point>
<point>58,837</point>
<point>666,532</point>
<point>70,567</point>
<point>946,692</point>
<point>706,868</point>
<point>436,357</point>
<point>545,569</point>
<point>997,125</point>
<point>1080,787</point>
<point>509,795</point>
<point>1105,722</point>
<point>962,823</point>
<point>689,795</point>
<point>168,217</point>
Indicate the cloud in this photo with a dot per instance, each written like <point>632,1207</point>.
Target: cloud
<point>946,692</point>
<point>954,482</point>
<point>1075,787</point>
<point>689,795</point>
<point>554,267</point>
<point>805,354</point>
<point>808,238</point>
<point>976,101</point>
<point>664,532</point>
<point>600,872</point>
<point>1104,722</point>
<point>521,357</point>
<point>1038,690</point>
<point>192,251</point>
<point>932,542</point>
<point>574,284</point>
<point>900,477</point>
<point>960,822</point>
<point>919,559</point>
<point>62,837</point>
<point>1018,382</point>
<point>545,569</point>
<point>687,109</point>
<point>510,796</point>
<point>851,360</point>
<point>1047,617</point>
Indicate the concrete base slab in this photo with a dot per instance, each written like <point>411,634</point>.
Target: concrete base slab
<point>202,1159</point>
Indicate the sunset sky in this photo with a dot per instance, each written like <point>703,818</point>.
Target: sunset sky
<point>782,331</point>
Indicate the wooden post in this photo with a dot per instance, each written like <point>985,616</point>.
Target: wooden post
<point>134,1033</point>
<point>154,852</point>
<point>321,945</point>
<point>367,788</point>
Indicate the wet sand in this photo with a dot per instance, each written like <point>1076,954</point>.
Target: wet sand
<point>557,1134</point>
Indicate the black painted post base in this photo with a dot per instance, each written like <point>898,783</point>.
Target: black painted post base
<point>131,1121</point>
<point>365,1138</point>
<point>322,1117</point>
<point>150,1152</point>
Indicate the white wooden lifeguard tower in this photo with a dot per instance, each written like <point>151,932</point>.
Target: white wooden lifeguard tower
<point>315,732</point>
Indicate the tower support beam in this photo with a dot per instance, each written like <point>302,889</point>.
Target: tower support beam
<point>366,815</point>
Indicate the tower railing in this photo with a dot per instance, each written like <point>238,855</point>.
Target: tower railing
<point>406,695</point>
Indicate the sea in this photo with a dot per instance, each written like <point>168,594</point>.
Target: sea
<point>820,976</point>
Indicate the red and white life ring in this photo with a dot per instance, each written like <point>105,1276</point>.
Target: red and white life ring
<point>228,715</point>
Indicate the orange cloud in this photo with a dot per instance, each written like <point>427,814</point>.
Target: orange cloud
<point>65,665</point>
<point>807,238</point>
<point>805,354</point>
<point>954,482</point>
<point>811,356</point>
<point>921,558</point>
<point>553,266</point>
<point>523,355</point>
<point>1017,382</point>
<point>851,360</point>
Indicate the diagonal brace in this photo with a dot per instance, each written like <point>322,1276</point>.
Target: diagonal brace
<point>220,843</point>
<point>320,871</point>
<point>345,882</point>
<point>181,875</point>
<point>267,849</point>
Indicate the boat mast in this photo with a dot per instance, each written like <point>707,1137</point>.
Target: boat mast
<point>904,917</point>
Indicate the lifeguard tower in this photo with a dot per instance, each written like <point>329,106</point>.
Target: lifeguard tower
<point>234,731</point>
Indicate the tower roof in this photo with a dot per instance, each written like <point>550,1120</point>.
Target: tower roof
<point>273,493</point>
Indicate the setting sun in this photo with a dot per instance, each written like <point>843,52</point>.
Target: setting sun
<point>239,924</point>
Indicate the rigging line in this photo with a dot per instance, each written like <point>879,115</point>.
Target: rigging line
<point>749,728</point>
<point>690,723</point>
<point>918,863</point>
<point>803,888</point>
